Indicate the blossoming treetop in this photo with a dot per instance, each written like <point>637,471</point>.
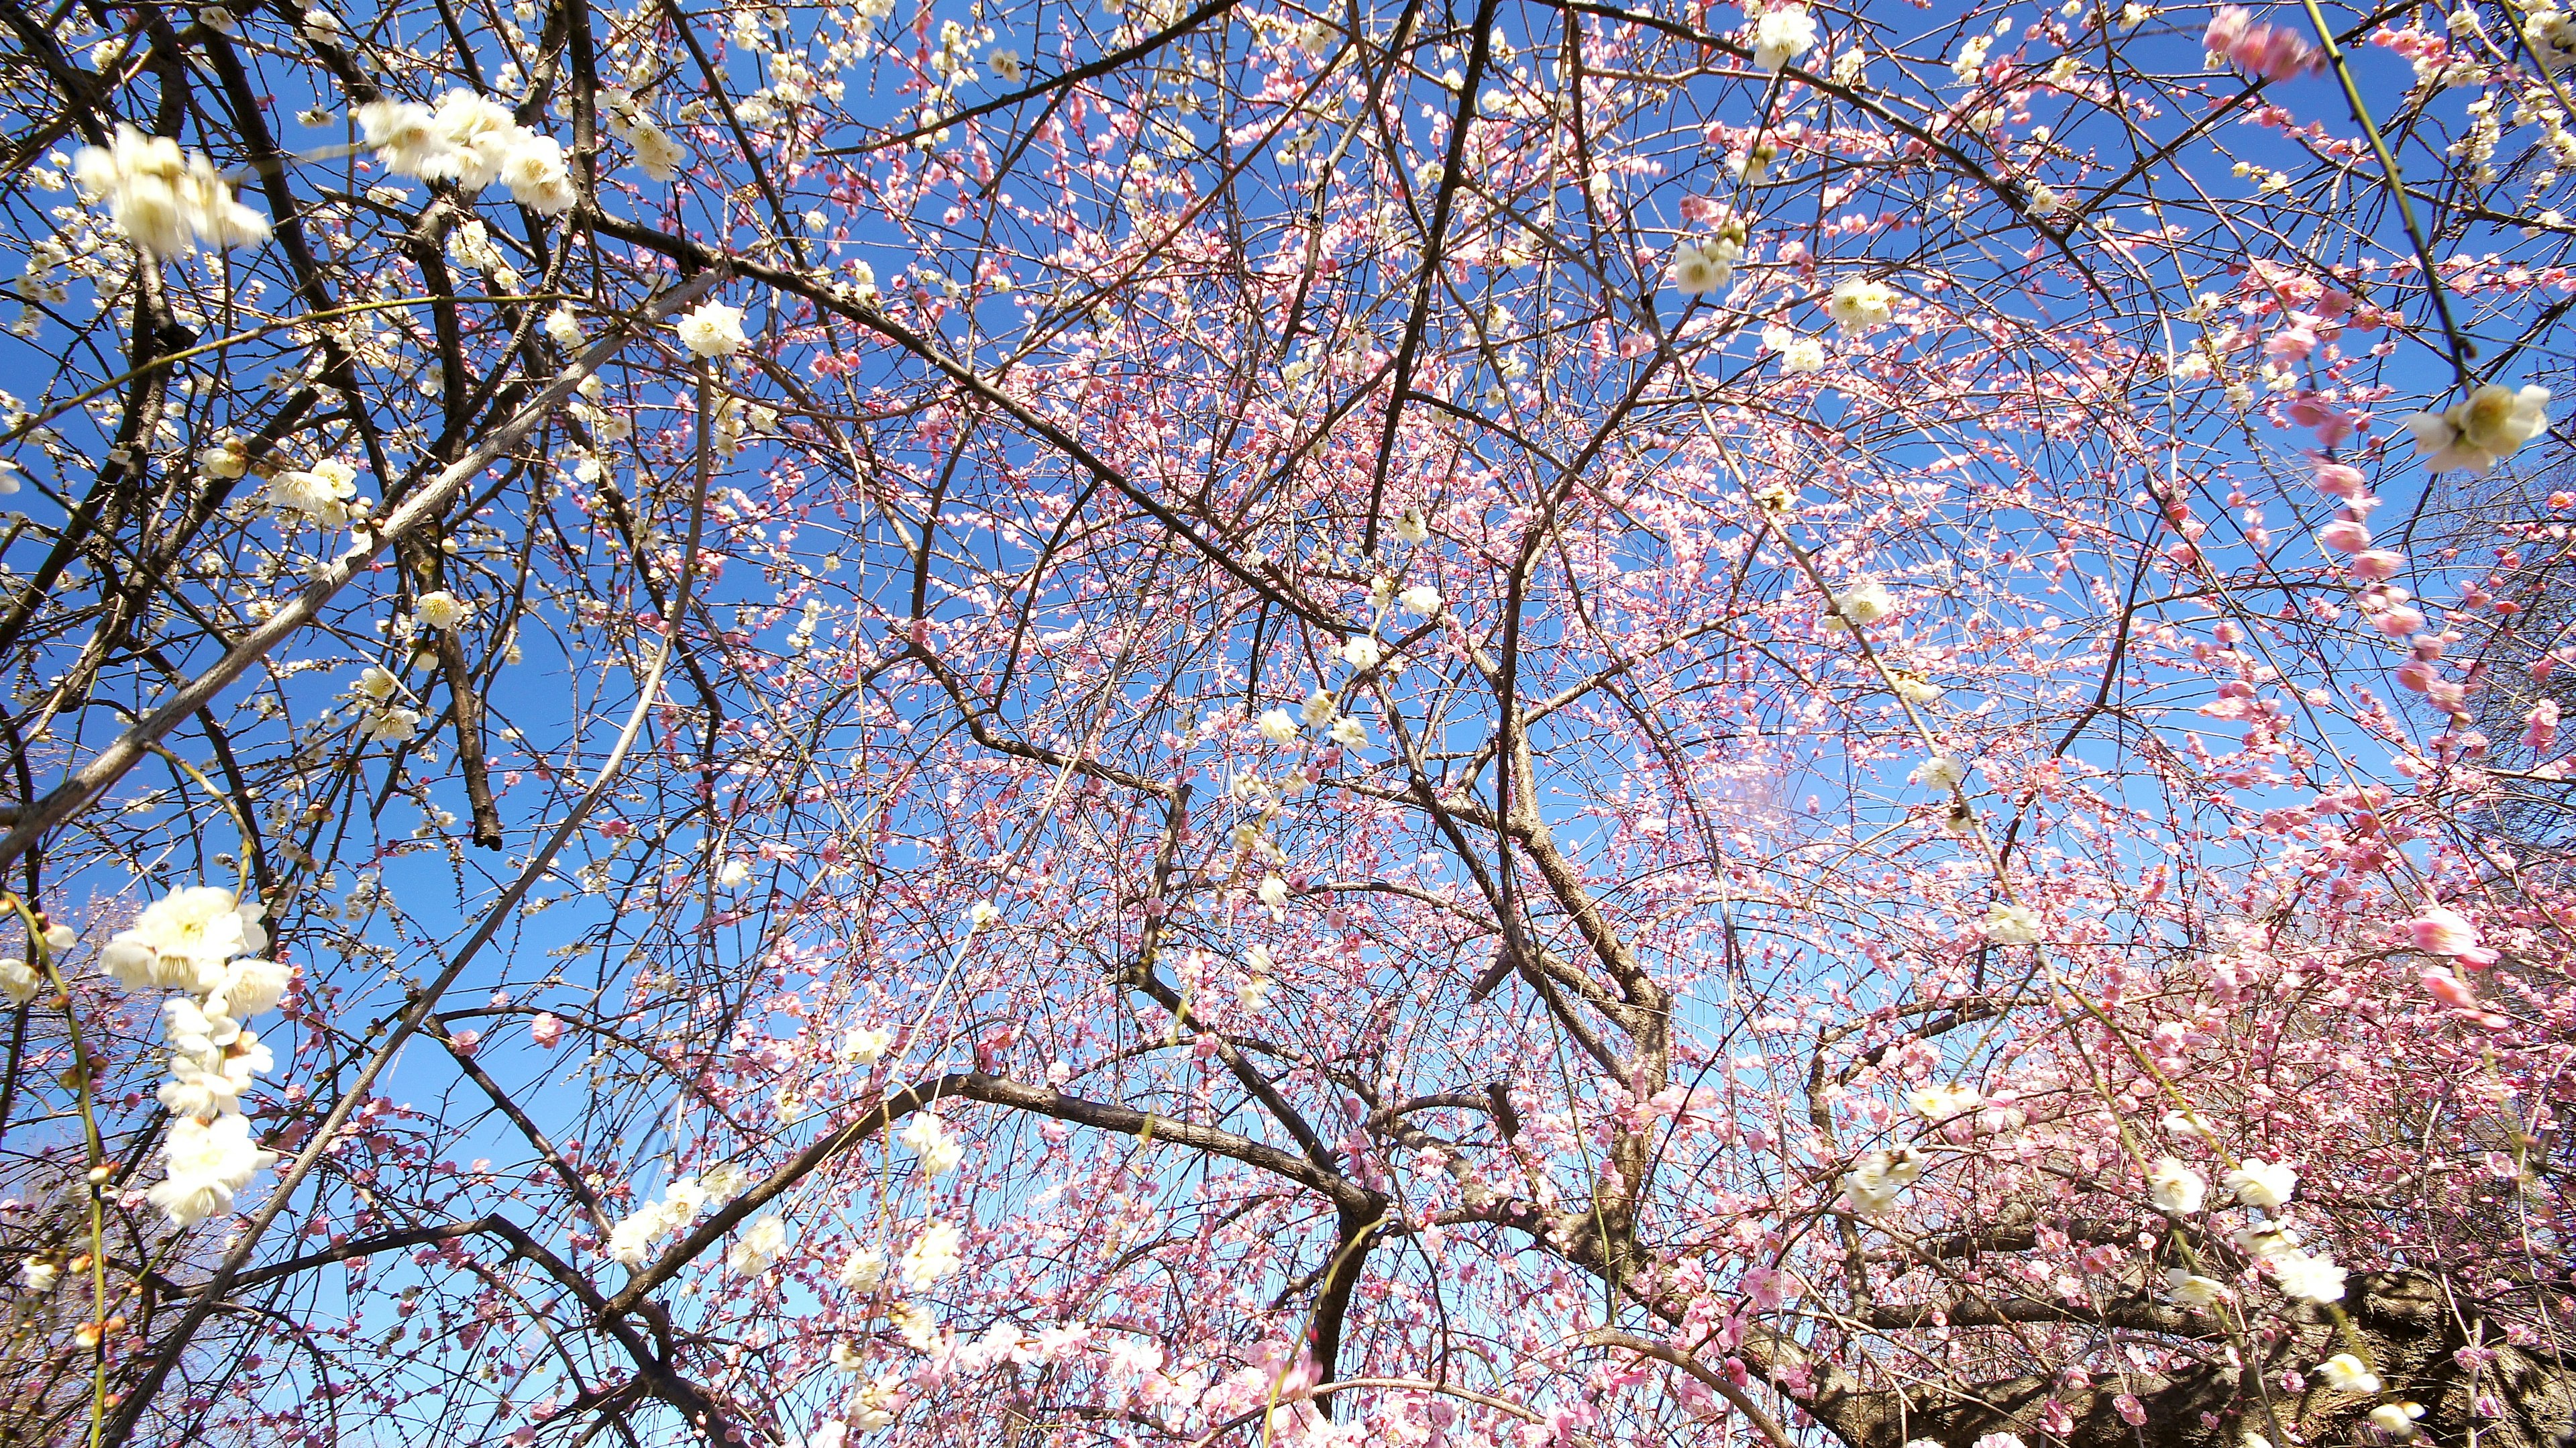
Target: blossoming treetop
<point>1236,724</point>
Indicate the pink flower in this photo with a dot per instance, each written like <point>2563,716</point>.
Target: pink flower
<point>2341,481</point>
<point>2449,989</point>
<point>2398,622</point>
<point>2374,564</point>
<point>2444,931</point>
<point>2541,725</point>
<point>546,1029</point>
<point>2226,28</point>
<point>2345,535</point>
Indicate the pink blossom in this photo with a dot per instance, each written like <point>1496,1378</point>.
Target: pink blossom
<point>2345,535</point>
<point>546,1029</point>
<point>2449,989</point>
<point>2376,564</point>
<point>2441,930</point>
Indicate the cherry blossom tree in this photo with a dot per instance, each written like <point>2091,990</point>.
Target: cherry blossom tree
<point>1178,724</point>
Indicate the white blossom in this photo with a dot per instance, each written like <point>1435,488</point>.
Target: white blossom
<point>2345,1373</point>
<point>165,200</point>
<point>933,1255</point>
<point>1421,600</point>
<point>2262,1185</point>
<point>1859,304</point>
<point>862,1270</point>
<point>1939,772</point>
<point>1277,725</point>
<point>712,330</point>
<point>2010,924</point>
<point>2175,1189</point>
<point>1782,35</point>
<point>2190,1289</point>
<point>760,1245</point>
<point>209,1162</point>
<point>2475,435</point>
<point>441,610</point>
<point>928,1136</point>
<point>183,940</point>
<point>1872,1184</point>
<point>2309,1277</point>
<point>1940,1103</point>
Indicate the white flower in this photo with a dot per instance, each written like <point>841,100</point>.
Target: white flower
<point>472,137</point>
<point>2261,1184</point>
<point>1319,710</point>
<point>2176,1189</point>
<point>1277,725</point>
<point>1783,35</point>
<point>866,1044</point>
<point>736,872</point>
<point>1273,891</point>
<point>2000,1440</point>
<point>1349,732</point>
<point>760,1245</point>
<point>1362,651</point>
<point>2187,1123</point>
<point>564,327</point>
<point>932,1255</point>
<point>38,1274</point>
<point>2397,1420</point>
<point>2308,1277</point>
<point>1412,527</point>
<point>2473,436</point>
<point>1421,600</point>
<point>2189,1289</point>
<point>441,610</point>
<point>250,986</point>
<point>862,1270</point>
<point>1698,271</point>
<point>1859,606</point>
<point>1940,1103</point>
<point>1252,991</point>
<point>631,1240</point>
<point>1005,65</point>
<point>209,1162</point>
<point>535,173</point>
<point>2266,1240</point>
<point>401,134</point>
<point>19,981</point>
<point>1870,1187</point>
<point>682,1200</point>
<point>725,1182</point>
<point>390,726</point>
<point>1859,304</point>
<point>1939,772</point>
<point>712,330</point>
<point>162,198</point>
<point>2348,1374</point>
<point>320,492</point>
<point>182,940</point>
<point>2008,924</point>
<point>227,459</point>
<point>655,151</point>
<point>928,1135</point>
<point>983,913</point>
<point>1801,355</point>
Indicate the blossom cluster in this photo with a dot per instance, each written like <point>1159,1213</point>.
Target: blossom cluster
<point>204,943</point>
<point>164,199</point>
<point>630,1240</point>
<point>472,140</point>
